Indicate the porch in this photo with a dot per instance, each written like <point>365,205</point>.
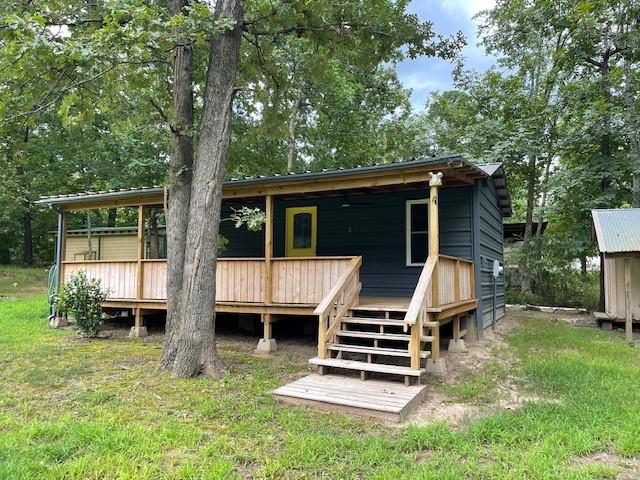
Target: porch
<point>382,256</point>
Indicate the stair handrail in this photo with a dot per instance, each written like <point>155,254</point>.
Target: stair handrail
<point>419,298</point>
<point>336,303</point>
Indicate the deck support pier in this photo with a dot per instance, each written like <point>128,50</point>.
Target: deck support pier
<point>58,321</point>
<point>456,344</point>
<point>138,330</point>
<point>435,364</point>
<point>267,344</point>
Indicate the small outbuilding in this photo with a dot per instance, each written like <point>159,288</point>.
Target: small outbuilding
<point>618,235</point>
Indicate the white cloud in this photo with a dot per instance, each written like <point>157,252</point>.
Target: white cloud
<point>470,7</point>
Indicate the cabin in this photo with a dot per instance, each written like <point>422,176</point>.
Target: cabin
<point>618,236</point>
<point>385,257</point>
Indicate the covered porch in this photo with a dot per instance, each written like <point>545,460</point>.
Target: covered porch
<point>348,248</point>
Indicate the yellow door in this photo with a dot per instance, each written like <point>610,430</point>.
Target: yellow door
<point>301,231</point>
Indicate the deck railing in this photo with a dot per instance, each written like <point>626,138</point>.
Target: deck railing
<point>295,281</point>
<point>336,304</point>
<point>444,280</point>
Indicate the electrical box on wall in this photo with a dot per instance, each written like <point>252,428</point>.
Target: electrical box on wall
<point>498,269</point>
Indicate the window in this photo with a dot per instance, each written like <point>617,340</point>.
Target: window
<point>417,214</point>
<point>302,230</point>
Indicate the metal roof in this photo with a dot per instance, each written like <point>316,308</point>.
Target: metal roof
<point>617,230</point>
<point>489,170</point>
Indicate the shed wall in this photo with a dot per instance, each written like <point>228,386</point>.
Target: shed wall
<point>106,247</point>
<point>614,287</point>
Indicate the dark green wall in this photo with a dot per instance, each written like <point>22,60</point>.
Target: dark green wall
<point>374,227</point>
<point>375,230</point>
<point>488,247</point>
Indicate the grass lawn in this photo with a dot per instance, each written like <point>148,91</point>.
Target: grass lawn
<point>78,409</point>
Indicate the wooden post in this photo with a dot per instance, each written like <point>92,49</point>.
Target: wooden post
<point>628,327</point>
<point>268,249</point>
<point>266,321</point>
<point>139,330</point>
<point>415,343</point>
<point>63,247</point>
<point>139,273</point>
<point>435,345</point>
<point>434,234</point>
<point>456,327</point>
<point>456,281</point>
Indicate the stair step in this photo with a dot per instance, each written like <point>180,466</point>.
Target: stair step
<point>378,308</point>
<point>380,336</point>
<point>373,321</point>
<point>367,367</point>
<point>391,352</point>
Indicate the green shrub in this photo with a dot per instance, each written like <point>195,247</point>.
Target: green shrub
<point>82,299</point>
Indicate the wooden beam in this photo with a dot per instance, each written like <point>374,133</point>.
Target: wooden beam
<point>628,327</point>
<point>268,248</point>
<point>266,323</point>
<point>63,247</point>
<point>139,273</point>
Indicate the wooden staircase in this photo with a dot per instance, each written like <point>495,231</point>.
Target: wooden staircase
<point>388,339</point>
<point>372,340</point>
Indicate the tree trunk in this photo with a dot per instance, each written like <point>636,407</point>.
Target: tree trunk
<point>605,155</point>
<point>633,132</point>
<point>190,344</point>
<point>28,236</point>
<point>293,118</point>
<point>180,174</point>
<point>528,227</point>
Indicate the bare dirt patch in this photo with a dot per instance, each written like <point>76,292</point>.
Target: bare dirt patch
<point>484,372</point>
<point>628,468</point>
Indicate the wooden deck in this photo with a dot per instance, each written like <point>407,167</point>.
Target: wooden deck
<point>335,393</point>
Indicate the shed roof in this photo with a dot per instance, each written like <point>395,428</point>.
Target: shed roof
<point>617,230</point>
<point>238,187</point>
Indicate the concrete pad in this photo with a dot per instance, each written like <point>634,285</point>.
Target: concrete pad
<point>137,332</point>
<point>436,367</point>
<point>58,322</point>
<point>267,346</point>
<point>457,346</point>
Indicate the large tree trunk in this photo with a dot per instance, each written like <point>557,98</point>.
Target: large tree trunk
<point>112,215</point>
<point>293,120</point>
<point>528,227</point>
<point>190,343</point>
<point>28,236</point>
<point>633,132</point>
<point>180,174</point>
<point>605,155</point>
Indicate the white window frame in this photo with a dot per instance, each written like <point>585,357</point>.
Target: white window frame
<point>408,231</point>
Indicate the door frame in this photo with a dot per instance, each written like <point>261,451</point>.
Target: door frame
<point>290,213</point>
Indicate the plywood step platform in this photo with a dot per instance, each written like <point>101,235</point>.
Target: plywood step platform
<point>374,398</point>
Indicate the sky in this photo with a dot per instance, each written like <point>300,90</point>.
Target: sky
<point>425,75</point>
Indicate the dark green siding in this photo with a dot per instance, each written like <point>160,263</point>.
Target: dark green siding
<point>377,232</point>
<point>374,226</point>
<point>242,242</point>
<point>489,247</point>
